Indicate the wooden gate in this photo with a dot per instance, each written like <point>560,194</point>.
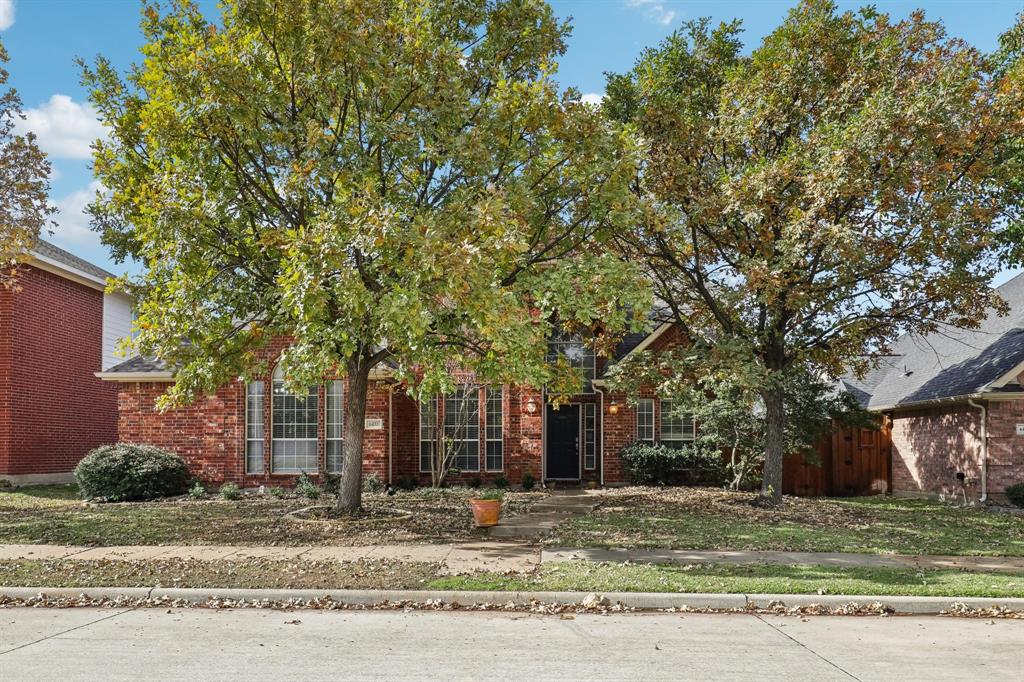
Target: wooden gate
<point>852,462</point>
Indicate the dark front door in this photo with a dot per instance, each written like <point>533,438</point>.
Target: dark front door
<point>562,451</point>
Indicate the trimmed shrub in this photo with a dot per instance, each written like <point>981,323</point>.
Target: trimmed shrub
<point>407,482</point>
<point>658,464</point>
<point>305,486</point>
<point>475,481</point>
<point>276,492</point>
<point>1015,494</point>
<point>229,491</point>
<point>528,481</point>
<point>372,483</point>
<point>500,481</point>
<point>126,471</point>
<point>197,491</point>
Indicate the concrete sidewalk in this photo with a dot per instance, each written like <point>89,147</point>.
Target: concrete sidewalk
<point>837,559</point>
<point>454,558</point>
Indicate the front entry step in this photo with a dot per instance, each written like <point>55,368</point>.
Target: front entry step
<point>545,516</point>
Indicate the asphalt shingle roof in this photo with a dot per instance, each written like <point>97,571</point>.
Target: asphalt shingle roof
<point>54,252</point>
<point>949,363</point>
<point>137,365</point>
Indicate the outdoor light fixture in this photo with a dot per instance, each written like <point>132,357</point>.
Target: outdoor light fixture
<point>613,408</point>
<point>531,406</point>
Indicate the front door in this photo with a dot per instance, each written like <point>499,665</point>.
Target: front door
<point>562,448</point>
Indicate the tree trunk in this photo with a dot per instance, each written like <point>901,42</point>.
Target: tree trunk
<point>774,443</point>
<point>350,490</point>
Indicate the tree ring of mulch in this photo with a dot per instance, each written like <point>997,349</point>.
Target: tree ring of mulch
<point>324,513</point>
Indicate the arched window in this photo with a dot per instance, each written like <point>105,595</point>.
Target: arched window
<point>576,353</point>
<point>293,429</point>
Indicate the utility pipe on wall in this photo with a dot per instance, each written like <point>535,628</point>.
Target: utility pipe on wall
<point>601,393</point>
<point>984,447</point>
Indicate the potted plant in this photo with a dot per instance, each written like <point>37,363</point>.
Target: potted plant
<point>486,506</point>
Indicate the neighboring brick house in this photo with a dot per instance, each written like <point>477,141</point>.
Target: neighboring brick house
<point>258,434</point>
<point>953,406</point>
<point>57,329</point>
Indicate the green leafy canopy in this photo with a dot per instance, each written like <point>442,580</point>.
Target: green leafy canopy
<point>395,180</point>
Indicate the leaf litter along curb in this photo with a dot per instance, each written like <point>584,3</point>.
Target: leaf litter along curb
<point>592,604</point>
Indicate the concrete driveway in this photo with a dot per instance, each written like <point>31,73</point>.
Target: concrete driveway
<point>198,644</point>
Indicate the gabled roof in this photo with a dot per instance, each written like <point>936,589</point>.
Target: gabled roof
<point>950,363</point>
<point>52,257</point>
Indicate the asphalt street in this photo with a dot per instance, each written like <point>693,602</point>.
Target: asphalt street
<point>249,644</point>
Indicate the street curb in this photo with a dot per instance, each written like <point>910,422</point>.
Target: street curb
<point>635,600</point>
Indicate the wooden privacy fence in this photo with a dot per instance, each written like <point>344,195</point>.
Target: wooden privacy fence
<point>852,462</point>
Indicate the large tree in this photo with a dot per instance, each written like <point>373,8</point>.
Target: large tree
<point>24,185</point>
<point>842,184</point>
<point>376,180</point>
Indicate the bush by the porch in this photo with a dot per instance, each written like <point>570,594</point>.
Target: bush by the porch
<point>658,464</point>
<point>125,471</point>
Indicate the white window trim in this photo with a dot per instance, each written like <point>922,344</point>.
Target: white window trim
<point>263,431</point>
<point>327,419</point>
<point>486,439</point>
<point>290,472</point>
<point>589,412</point>
<point>661,428</point>
<point>479,435</point>
<point>636,422</point>
<point>419,432</point>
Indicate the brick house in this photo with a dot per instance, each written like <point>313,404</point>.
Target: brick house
<point>57,329</point>
<point>952,405</point>
<point>258,434</point>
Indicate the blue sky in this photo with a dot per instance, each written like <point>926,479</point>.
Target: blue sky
<point>45,36</point>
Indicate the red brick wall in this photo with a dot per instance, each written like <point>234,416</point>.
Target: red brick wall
<point>1005,447</point>
<point>52,409</point>
<point>210,433</point>
<point>929,447</point>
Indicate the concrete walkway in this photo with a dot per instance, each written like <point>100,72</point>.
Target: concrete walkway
<point>454,558</point>
<point>838,559</point>
<point>544,516</point>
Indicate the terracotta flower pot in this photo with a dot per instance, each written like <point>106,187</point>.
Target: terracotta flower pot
<point>485,512</point>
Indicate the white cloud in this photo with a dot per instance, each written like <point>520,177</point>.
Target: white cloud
<point>6,14</point>
<point>72,222</point>
<point>64,127</point>
<point>654,10</point>
<point>592,97</point>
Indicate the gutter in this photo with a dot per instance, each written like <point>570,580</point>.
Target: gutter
<point>984,447</point>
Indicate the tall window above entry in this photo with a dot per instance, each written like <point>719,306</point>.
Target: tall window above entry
<point>254,428</point>
<point>334,410</point>
<point>576,353</point>
<point>293,429</point>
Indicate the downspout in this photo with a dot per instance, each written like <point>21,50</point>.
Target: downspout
<point>601,393</point>
<point>984,447</point>
<point>391,436</point>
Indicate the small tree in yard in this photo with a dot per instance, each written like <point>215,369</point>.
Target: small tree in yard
<point>24,185</point>
<point>454,417</point>
<point>376,181</point>
<point>843,184</point>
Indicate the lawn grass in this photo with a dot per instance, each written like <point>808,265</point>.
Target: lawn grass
<point>55,515</point>
<point>572,576</point>
<point>708,519</point>
<point>364,574</point>
<point>746,579</point>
